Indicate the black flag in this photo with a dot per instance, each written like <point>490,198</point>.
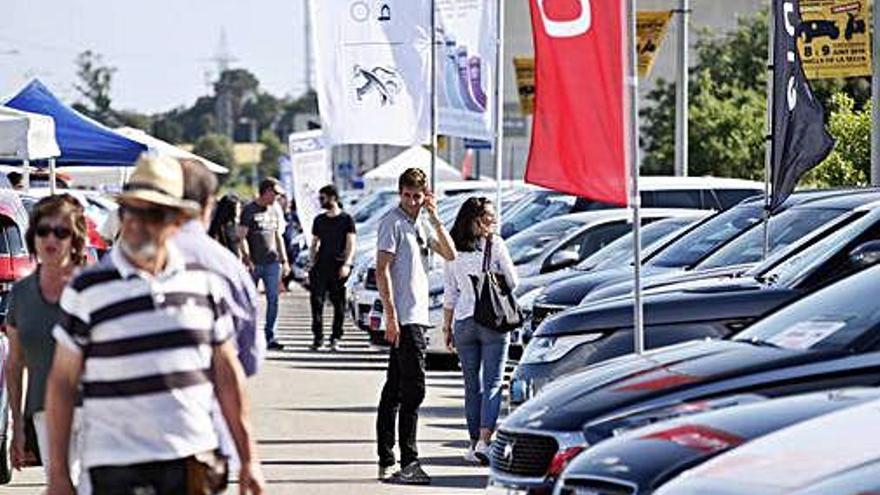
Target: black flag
<point>800,140</point>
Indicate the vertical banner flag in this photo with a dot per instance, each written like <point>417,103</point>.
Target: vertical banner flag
<point>651,28</point>
<point>372,61</point>
<point>579,135</point>
<point>834,38</point>
<point>310,167</point>
<point>800,140</point>
<point>466,68</point>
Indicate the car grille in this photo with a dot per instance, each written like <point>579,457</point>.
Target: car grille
<point>523,454</point>
<point>595,487</point>
<point>541,313</point>
<point>370,282</point>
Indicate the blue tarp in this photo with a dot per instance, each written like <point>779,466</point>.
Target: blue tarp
<point>82,140</point>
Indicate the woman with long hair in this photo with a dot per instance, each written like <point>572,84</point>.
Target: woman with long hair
<point>57,236</point>
<point>482,350</point>
<point>224,226</point>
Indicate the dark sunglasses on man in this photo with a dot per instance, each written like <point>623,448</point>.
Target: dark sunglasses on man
<point>148,215</point>
<point>60,232</point>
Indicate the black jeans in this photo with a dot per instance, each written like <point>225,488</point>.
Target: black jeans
<point>325,281</point>
<point>153,478</point>
<point>402,395</point>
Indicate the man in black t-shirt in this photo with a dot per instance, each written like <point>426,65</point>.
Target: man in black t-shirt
<point>331,253</point>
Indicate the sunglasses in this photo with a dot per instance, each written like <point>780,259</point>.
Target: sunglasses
<point>148,215</point>
<point>59,231</point>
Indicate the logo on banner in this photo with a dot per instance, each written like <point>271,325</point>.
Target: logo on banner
<point>571,28</point>
<point>360,11</point>
<point>834,38</point>
<point>384,82</point>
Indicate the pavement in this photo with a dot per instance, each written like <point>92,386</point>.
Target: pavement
<point>314,416</point>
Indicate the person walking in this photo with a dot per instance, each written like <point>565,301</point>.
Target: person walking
<point>482,351</point>
<point>403,246</point>
<point>224,225</point>
<point>331,254</point>
<point>149,341</point>
<point>263,249</point>
<point>57,236</point>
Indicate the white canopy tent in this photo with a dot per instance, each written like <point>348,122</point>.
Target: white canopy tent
<point>165,148</point>
<point>26,136</point>
<point>386,175</point>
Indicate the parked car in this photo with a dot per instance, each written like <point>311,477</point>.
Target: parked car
<point>639,459</point>
<point>716,307</point>
<point>704,193</point>
<point>862,480</point>
<point>828,339</point>
<point>687,252</point>
<point>793,460</point>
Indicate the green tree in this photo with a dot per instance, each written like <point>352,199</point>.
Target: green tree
<point>850,162</point>
<point>217,148</point>
<point>272,151</point>
<point>95,82</point>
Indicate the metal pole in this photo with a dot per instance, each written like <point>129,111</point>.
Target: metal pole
<point>681,92</point>
<point>26,179</point>
<point>632,83</point>
<point>52,176</point>
<point>435,103</point>
<point>499,106</point>
<point>875,98</point>
<point>308,48</point>
<point>768,154</point>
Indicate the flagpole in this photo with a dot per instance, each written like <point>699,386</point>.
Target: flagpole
<point>499,107</point>
<point>435,103</point>
<point>632,83</point>
<point>768,154</point>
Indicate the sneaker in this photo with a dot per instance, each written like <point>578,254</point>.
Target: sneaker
<point>334,346</point>
<point>316,346</point>
<point>385,473</point>
<point>481,452</point>
<point>275,346</point>
<point>412,474</point>
<point>470,457</point>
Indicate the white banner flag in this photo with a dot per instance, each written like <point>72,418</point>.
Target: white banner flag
<point>373,70</point>
<point>310,167</point>
<point>466,67</point>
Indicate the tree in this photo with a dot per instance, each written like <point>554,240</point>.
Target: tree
<point>850,162</point>
<point>95,81</point>
<point>272,151</point>
<point>217,148</point>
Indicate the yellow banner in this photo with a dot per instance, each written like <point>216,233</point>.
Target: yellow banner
<point>651,28</point>
<point>525,82</point>
<point>834,38</point>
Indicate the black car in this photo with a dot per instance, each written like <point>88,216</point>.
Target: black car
<point>709,308</point>
<point>829,339</point>
<point>691,250</point>
<point>640,459</point>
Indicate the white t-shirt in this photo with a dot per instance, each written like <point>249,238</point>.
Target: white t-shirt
<point>459,275</point>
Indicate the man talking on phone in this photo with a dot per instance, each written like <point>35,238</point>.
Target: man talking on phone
<point>403,245</point>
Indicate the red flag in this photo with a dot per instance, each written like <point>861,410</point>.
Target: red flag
<point>580,128</point>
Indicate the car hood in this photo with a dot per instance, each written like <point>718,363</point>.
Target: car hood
<point>651,455</point>
<point>570,291</point>
<point>633,380</point>
<point>732,300</point>
<point>528,284</point>
<point>664,281</point>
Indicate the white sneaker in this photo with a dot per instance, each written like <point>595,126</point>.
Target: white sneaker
<point>481,452</point>
<point>471,457</point>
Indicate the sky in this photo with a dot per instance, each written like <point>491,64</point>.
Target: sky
<point>163,50</point>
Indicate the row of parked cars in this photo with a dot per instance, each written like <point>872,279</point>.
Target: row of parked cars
<point>763,342</point>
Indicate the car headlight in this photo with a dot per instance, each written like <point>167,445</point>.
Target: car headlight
<point>549,349</point>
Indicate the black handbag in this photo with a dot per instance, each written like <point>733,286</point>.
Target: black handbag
<point>494,304</point>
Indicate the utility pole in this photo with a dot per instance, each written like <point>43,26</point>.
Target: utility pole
<point>681,91</point>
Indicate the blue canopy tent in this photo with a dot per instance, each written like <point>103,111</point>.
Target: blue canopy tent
<point>82,140</point>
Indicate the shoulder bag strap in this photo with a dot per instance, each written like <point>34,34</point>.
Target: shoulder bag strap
<point>487,255</point>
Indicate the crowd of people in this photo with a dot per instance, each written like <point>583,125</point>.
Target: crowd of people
<point>136,364</point>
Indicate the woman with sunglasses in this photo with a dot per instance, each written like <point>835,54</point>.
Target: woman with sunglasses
<point>482,351</point>
<point>57,236</point>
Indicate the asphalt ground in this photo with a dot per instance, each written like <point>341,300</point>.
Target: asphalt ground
<point>314,416</point>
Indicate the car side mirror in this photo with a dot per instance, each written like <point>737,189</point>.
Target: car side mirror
<point>865,255</point>
<point>563,259</point>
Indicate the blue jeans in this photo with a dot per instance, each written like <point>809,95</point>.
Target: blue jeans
<point>482,351</point>
<point>270,274</point>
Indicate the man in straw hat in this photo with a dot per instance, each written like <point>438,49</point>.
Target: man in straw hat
<point>148,339</point>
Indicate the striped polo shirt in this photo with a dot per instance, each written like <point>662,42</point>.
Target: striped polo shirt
<point>146,343</point>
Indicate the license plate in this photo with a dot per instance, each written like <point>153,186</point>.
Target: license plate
<point>498,490</point>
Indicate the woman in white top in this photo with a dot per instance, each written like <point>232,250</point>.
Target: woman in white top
<point>479,348</point>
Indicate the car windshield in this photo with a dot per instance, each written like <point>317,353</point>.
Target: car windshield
<point>830,319</point>
<point>690,248</point>
<point>370,205</point>
<point>541,207</point>
<point>528,245</point>
<point>620,252</point>
<point>785,228</point>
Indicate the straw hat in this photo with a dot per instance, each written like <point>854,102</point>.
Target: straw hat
<point>158,179</point>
